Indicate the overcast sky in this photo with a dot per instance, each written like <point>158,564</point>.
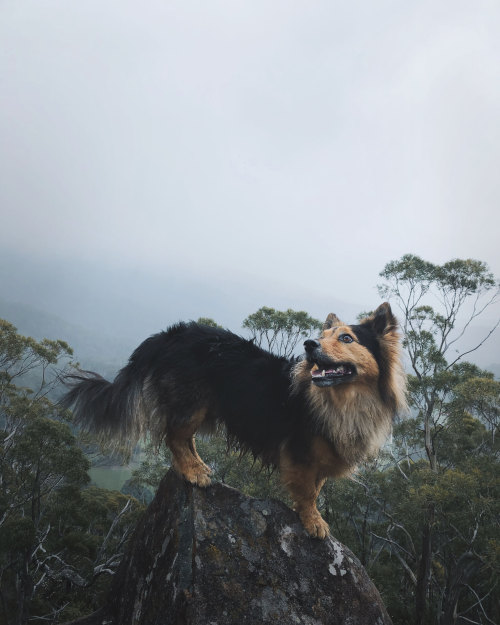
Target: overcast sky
<point>291,146</point>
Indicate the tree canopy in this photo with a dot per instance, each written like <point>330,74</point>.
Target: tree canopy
<point>57,536</point>
<point>423,518</point>
<point>280,331</point>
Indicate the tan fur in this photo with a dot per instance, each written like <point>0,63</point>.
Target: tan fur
<point>351,352</point>
<point>186,460</point>
<point>304,482</point>
<point>331,320</point>
<point>353,419</point>
<point>198,386</point>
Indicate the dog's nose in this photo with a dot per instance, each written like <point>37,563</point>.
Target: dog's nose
<point>310,345</point>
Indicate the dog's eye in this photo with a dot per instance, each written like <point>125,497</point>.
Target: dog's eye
<point>346,338</point>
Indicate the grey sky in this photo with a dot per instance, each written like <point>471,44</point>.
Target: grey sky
<point>295,145</point>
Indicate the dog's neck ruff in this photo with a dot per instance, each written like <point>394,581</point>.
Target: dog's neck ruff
<point>352,420</point>
<point>352,417</point>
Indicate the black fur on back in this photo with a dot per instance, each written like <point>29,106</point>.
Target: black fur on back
<point>192,367</point>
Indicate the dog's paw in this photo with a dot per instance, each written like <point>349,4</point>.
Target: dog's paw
<point>319,529</point>
<point>202,480</point>
<point>316,526</point>
<point>196,476</point>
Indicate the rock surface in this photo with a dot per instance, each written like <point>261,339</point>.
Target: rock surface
<point>216,557</point>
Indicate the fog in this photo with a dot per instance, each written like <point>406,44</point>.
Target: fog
<point>167,160</point>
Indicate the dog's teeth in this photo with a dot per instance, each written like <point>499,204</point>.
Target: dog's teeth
<point>323,373</point>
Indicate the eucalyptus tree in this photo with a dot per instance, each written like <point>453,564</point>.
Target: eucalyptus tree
<point>280,331</point>
<point>439,304</point>
<point>57,538</point>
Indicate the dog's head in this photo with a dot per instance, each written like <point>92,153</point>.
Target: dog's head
<point>368,352</point>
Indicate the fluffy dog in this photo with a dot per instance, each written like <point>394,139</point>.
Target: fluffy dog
<point>313,419</point>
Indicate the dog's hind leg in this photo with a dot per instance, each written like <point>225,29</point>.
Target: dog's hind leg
<point>186,460</point>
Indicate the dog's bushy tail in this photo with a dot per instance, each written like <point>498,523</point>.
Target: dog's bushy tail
<point>112,410</point>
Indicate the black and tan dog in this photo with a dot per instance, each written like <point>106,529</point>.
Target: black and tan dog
<point>313,419</point>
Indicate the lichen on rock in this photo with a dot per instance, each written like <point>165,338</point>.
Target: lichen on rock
<point>214,555</point>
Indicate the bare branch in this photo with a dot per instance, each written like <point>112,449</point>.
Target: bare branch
<point>111,529</point>
<point>476,313</point>
<point>405,566</point>
<point>51,616</point>
<point>470,351</point>
<point>480,604</point>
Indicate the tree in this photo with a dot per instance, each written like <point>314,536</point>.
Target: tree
<point>38,458</point>
<point>480,396</point>
<point>228,466</point>
<point>280,331</point>
<point>38,455</point>
<point>438,304</point>
<point>53,545</point>
<point>208,321</point>
<point>429,334</point>
<point>21,356</point>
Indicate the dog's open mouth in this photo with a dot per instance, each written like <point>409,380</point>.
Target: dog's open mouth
<point>332,374</point>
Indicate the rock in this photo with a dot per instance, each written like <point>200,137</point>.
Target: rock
<point>216,557</point>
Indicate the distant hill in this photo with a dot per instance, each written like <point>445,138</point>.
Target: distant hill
<point>93,351</point>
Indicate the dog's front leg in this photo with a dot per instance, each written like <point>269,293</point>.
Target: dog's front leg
<point>304,484</point>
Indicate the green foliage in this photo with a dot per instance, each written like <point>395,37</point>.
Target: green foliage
<point>423,518</point>
<point>455,287</point>
<point>58,540</point>
<point>417,286</point>
<point>280,331</point>
<point>410,270</point>
<point>479,395</point>
<point>228,466</point>
<point>424,523</point>
<point>208,321</point>
<point>153,467</point>
<point>239,470</point>
<point>464,277</point>
<point>381,514</point>
<point>21,356</point>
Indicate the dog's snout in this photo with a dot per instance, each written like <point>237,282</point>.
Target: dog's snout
<point>310,345</point>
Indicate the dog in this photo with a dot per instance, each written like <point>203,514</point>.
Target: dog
<point>312,418</point>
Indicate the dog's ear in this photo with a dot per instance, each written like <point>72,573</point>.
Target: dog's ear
<point>332,320</point>
<point>382,320</point>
